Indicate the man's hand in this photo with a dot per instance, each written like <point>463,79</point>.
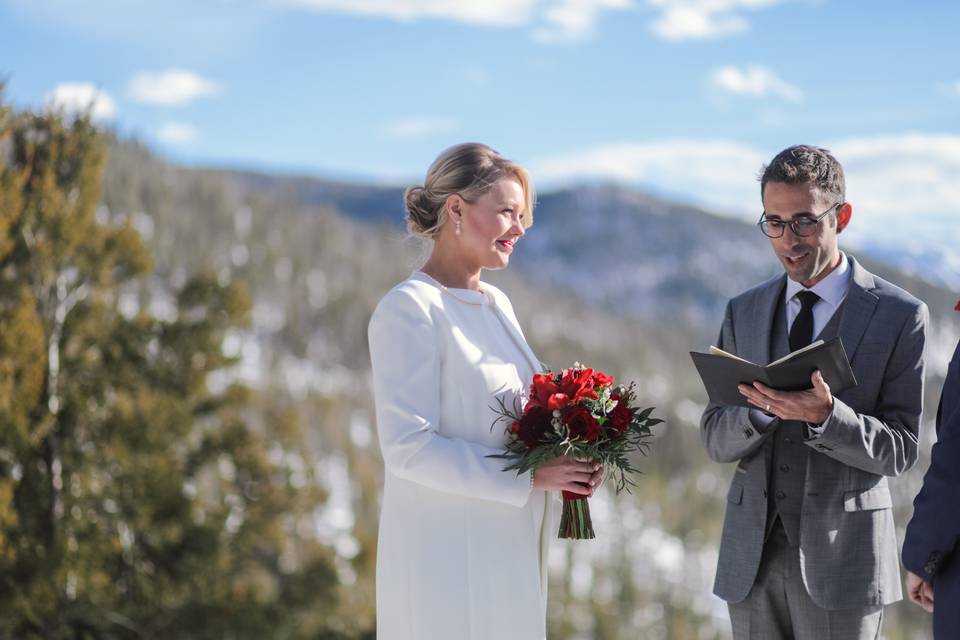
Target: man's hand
<point>920,591</point>
<point>813,406</point>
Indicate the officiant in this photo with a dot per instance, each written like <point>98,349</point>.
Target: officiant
<point>808,549</point>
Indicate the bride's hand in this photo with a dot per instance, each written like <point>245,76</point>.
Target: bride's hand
<point>596,478</point>
<point>566,473</point>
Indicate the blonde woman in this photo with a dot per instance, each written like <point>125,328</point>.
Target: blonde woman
<point>463,545</point>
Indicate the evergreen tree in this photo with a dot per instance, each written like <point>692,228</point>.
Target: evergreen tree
<point>138,496</point>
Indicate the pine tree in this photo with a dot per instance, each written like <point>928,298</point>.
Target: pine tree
<point>142,494</point>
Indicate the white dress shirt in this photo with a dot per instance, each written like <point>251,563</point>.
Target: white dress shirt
<point>832,291</point>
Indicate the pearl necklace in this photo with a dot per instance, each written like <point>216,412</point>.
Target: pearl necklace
<point>467,296</point>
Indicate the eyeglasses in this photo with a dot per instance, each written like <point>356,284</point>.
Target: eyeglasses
<point>804,224</point>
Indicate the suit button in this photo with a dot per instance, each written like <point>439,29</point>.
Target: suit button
<point>781,495</point>
<point>787,441</point>
<point>784,468</point>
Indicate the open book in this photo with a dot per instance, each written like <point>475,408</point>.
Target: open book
<point>721,372</point>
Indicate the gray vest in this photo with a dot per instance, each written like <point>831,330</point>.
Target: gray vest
<point>788,463</point>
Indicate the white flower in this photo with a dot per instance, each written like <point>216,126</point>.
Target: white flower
<point>559,427</point>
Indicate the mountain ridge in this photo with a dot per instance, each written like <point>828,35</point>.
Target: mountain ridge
<point>656,258</point>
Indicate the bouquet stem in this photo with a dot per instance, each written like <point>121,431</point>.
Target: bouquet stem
<point>575,522</point>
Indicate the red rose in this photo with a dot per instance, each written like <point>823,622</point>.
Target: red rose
<point>600,379</point>
<point>621,416</point>
<point>577,384</point>
<point>558,401</point>
<point>532,425</point>
<point>542,388</point>
<point>957,308</point>
<point>581,424</point>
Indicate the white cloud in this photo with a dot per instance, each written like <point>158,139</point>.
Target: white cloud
<point>952,88</point>
<point>574,20</point>
<point>714,173</point>
<point>905,175</point>
<point>498,13</point>
<point>755,81</point>
<point>77,97</point>
<point>173,87</point>
<point>896,179</point>
<point>420,126</point>
<point>549,20</point>
<point>703,19</point>
<point>177,133</point>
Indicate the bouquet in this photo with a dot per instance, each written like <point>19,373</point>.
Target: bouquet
<point>578,412</point>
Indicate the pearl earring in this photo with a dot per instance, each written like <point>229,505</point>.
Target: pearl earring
<point>458,231</point>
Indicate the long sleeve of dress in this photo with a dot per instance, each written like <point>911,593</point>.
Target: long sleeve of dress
<point>406,361</point>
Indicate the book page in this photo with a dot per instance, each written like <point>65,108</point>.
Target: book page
<point>720,352</point>
<point>790,356</point>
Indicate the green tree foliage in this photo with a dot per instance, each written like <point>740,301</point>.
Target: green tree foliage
<point>141,493</point>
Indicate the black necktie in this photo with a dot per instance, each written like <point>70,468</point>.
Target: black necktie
<point>801,333</point>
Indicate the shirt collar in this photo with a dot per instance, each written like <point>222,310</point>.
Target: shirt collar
<point>832,289</point>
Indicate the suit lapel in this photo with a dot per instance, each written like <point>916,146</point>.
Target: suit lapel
<point>859,307</point>
<point>763,315</point>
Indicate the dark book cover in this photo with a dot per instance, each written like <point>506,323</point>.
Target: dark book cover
<point>721,372</point>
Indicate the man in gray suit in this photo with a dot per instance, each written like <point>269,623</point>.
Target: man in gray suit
<point>809,549</point>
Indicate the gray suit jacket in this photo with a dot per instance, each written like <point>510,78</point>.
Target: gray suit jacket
<point>848,546</point>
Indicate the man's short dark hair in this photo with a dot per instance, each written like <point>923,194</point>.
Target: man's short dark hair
<point>804,163</point>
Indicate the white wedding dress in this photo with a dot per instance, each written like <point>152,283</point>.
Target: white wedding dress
<point>462,552</point>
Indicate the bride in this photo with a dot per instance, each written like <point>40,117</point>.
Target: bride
<point>462,551</point>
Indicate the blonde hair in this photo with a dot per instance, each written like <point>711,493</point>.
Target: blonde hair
<point>469,170</point>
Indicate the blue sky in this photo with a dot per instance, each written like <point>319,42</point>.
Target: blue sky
<point>683,97</point>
